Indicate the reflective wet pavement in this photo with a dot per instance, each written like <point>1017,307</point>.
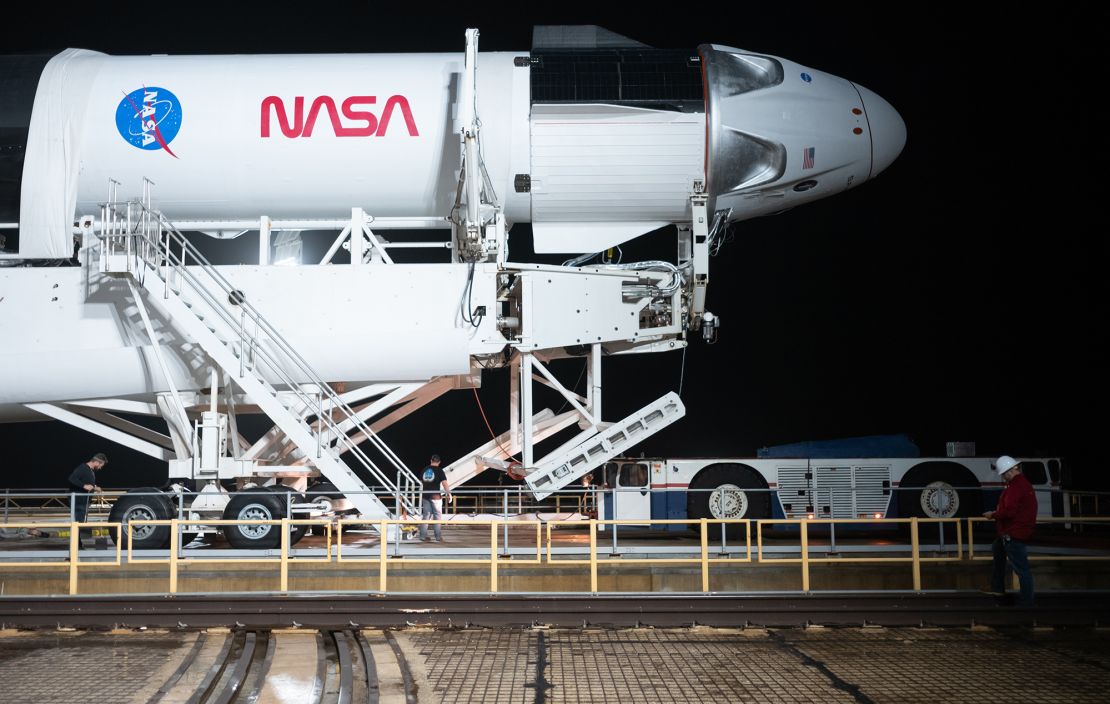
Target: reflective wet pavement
<point>559,665</point>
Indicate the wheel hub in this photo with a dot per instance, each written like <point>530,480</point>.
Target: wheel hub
<point>728,501</point>
<point>255,512</point>
<point>140,512</point>
<point>940,500</point>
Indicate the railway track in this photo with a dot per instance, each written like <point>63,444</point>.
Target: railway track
<point>340,612</point>
<point>270,666</point>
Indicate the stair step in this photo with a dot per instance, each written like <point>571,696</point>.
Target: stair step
<point>233,356</point>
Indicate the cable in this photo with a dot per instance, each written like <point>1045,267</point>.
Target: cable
<point>465,311</point>
<point>574,389</point>
<point>490,428</point>
<point>682,373</point>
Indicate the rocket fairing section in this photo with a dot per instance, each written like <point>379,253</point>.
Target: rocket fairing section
<point>593,146</point>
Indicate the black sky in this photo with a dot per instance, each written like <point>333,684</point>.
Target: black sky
<point>959,296</point>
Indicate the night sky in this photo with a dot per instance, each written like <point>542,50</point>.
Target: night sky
<point>959,296</point>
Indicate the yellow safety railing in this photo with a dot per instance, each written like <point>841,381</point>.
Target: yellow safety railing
<point>702,559</point>
<point>175,557</point>
<point>915,557</point>
<point>1092,520</point>
<point>498,557</point>
<point>72,561</point>
<point>383,559</point>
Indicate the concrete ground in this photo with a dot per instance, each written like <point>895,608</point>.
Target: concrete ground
<point>597,665</point>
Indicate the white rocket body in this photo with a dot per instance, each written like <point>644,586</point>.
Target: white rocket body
<point>234,138</point>
<point>258,134</point>
<point>311,136</point>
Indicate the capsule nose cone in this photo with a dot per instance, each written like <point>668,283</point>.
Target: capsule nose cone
<point>888,131</point>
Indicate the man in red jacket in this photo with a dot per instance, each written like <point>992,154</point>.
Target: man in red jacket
<point>1014,520</point>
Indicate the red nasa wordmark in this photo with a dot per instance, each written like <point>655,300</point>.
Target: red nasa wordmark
<point>300,126</point>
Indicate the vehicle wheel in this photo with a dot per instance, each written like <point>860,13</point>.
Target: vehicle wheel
<point>728,491</point>
<point>145,504</point>
<point>939,490</point>
<point>327,493</point>
<point>255,504</point>
<point>295,532</point>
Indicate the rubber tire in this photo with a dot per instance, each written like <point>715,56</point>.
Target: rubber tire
<point>268,503</point>
<point>909,500</point>
<point>157,507</point>
<point>967,489</point>
<point>295,532</point>
<point>324,490</point>
<point>697,502</point>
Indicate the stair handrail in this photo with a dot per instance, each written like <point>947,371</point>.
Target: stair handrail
<point>406,488</point>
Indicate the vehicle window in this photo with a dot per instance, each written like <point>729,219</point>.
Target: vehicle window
<point>611,469</point>
<point>1034,472</point>
<point>1054,471</point>
<point>634,475</point>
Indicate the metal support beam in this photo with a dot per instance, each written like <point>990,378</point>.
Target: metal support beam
<point>336,244</point>
<point>700,224</point>
<point>594,381</point>
<point>357,241</point>
<point>151,436</point>
<point>571,398</point>
<point>178,406</point>
<point>264,240</point>
<point>102,429</point>
<point>526,441</point>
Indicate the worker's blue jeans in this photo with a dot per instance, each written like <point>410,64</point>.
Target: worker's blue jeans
<point>429,512</point>
<point>1015,551</point>
<point>81,512</point>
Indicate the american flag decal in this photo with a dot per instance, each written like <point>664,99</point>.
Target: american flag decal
<point>807,158</point>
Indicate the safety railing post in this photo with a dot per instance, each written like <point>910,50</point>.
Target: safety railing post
<point>616,512</point>
<point>383,555</point>
<point>915,546</point>
<point>493,557</point>
<point>74,545</point>
<point>175,550</point>
<point>805,555</point>
<point>284,555</point>
<point>704,553</point>
<point>593,556</point>
<point>971,538</point>
<point>758,541</point>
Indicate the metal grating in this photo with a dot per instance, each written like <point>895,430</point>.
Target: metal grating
<point>872,489</point>
<point>794,490</point>
<point>833,492</point>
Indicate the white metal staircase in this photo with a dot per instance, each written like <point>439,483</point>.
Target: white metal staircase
<point>567,464</point>
<point>141,243</point>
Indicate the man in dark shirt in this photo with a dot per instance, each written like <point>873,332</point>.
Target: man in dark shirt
<point>82,482</point>
<point>433,481</point>
<point>1014,518</point>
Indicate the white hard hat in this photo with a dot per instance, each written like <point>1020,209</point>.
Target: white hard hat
<point>1004,464</point>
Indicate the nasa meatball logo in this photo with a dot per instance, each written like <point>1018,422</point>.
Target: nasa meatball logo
<point>149,118</point>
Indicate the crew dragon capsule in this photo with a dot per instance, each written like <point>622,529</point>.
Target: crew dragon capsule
<point>594,142</point>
